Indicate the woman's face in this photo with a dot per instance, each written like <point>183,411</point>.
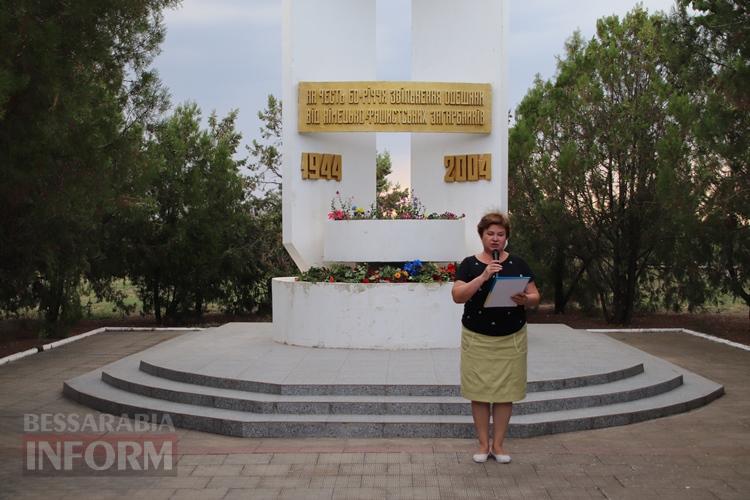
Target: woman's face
<point>494,238</point>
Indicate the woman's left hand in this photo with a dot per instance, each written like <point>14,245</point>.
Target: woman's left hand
<point>520,298</point>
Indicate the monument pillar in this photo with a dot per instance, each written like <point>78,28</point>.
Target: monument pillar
<point>455,109</point>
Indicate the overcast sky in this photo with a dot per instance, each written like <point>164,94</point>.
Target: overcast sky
<point>226,54</point>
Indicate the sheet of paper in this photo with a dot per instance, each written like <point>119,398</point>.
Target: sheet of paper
<point>503,288</point>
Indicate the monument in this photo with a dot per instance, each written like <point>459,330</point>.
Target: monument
<point>244,379</point>
<point>453,107</point>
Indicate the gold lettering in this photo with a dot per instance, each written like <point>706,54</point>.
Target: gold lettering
<point>305,165</point>
<point>461,168</point>
<point>394,107</point>
<point>321,166</point>
<point>336,168</point>
<point>450,174</point>
<point>472,168</point>
<point>325,166</point>
<point>485,167</point>
<point>313,166</point>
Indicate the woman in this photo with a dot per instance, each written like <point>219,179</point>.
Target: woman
<point>493,339</point>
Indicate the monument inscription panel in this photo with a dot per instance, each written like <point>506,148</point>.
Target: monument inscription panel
<point>380,106</point>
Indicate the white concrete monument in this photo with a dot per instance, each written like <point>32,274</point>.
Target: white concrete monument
<point>454,107</point>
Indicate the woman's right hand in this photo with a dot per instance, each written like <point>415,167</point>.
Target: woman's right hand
<point>492,268</point>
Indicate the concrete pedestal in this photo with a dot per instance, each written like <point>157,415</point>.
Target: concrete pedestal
<point>365,315</point>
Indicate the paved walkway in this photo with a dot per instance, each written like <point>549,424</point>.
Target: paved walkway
<point>701,454</point>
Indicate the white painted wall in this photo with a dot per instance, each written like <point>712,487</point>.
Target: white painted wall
<point>394,240</point>
<point>461,42</point>
<point>334,40</point>
<point>365,316</point>
<point>323,40</point>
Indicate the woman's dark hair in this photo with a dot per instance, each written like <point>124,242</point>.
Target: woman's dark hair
<point>494,218</point>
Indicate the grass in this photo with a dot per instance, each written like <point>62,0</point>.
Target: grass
<point>102,309</point>
<point>97,309</point>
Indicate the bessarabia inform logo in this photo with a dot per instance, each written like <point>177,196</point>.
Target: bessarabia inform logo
<point>71,444</point>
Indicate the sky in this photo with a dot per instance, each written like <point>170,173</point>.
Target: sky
<point>226,54</point>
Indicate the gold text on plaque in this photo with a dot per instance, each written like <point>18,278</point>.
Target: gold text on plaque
<point>321,166</point>
<point>394,107</point>
<point>467,168</point>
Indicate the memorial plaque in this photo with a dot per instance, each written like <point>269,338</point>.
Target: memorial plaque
<point>395,107</point>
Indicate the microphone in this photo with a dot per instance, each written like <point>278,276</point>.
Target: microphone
<point>495,256</point>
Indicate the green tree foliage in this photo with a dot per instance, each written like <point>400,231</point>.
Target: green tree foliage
<point>541,197</point>
<point>265,156</point>
<point>603,165</point>
<point>387,195</point>
<point>267,258</point>
<point>75,90</point>
<point>383,168</point>
<point>711,61</point>
<point>184,236</point>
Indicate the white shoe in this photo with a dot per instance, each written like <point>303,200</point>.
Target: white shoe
<point>501,459</point>
<point>480,458</point>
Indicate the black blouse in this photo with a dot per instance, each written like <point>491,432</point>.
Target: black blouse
<point>494,321</point>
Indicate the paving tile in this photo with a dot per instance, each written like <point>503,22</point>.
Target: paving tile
<point>413,469</point>
<point>336,482</point>
<point>313,470</point>
<point>294,458</point>
<point>254,494</point>
<point>234,482</point>
<point>359,493</point>
<point>432,480</point>
<point>361,469</point>
<point>150,493</point>
<point>341,458</point>
<point>217,470</point>
<point>283,482</point>
<point>430,492</point>
<point>266,470</point>
<point>387,458</point>
<point>574,493</point>
<point>203,494</point>
<point>526,492</point>
<point>248,458</point>
<point>385,481</point>
<point>184,470</point>
<point>306,493</point>
<point>183,482</point>
<point>101,494</point>
<point>202,459</point>
<point>438,458</point>
<point>35,495</point>
<point>467,492</point>
<point>462,469</point>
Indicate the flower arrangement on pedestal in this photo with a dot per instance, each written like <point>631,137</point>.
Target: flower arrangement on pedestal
<point>406,207</point>
<point>414,271</point>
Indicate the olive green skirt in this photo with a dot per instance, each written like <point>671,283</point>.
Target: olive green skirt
<point>493,369</point>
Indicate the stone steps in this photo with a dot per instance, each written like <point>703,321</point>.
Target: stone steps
<point>234,380</point>
<point>398,401</point>
<point>91,391</point>
<point>373,389</point>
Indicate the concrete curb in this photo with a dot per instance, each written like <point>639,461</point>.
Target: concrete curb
<point>672,330</point>
<point>62,342</point>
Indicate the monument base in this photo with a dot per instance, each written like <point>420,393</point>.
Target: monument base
<point>365,315</point>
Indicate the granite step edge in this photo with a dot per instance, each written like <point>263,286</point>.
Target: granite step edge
<point>372,389</point>
<point>695,392</point>
<point>90,391</point>
<point>181,392</point>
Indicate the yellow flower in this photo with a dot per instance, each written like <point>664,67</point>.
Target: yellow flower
<point>360,210</point>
